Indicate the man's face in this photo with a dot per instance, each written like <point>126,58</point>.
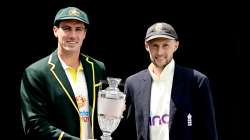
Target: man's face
<point>161,51</point>
<point>70,34</point>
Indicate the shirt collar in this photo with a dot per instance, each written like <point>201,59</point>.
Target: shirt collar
<point>167,71</point>
<point>65,66</point>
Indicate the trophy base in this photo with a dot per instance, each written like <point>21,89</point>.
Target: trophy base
<point>106,136</point>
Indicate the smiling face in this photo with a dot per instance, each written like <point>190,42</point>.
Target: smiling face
<point>161,51</point>
<point>70,34</point>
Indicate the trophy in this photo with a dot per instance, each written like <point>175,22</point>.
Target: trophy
<point>110,106</point>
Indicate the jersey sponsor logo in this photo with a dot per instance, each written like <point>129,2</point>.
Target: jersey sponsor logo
<point>158,119</point>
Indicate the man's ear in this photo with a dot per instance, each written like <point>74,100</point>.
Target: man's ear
<point>176,45</point>
<point>146,46</point>
<point>55,31</point>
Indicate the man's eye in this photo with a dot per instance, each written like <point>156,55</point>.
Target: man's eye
<point>78,29</point>
<point>66,29</point>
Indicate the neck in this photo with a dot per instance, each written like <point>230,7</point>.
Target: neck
<point>156,70</point>
<point>71,60</point>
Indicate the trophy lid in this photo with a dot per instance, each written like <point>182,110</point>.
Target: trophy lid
<point>112,91</point>
<point>113,83</point>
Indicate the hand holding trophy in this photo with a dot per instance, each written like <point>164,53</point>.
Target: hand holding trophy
<point>110,106</point>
